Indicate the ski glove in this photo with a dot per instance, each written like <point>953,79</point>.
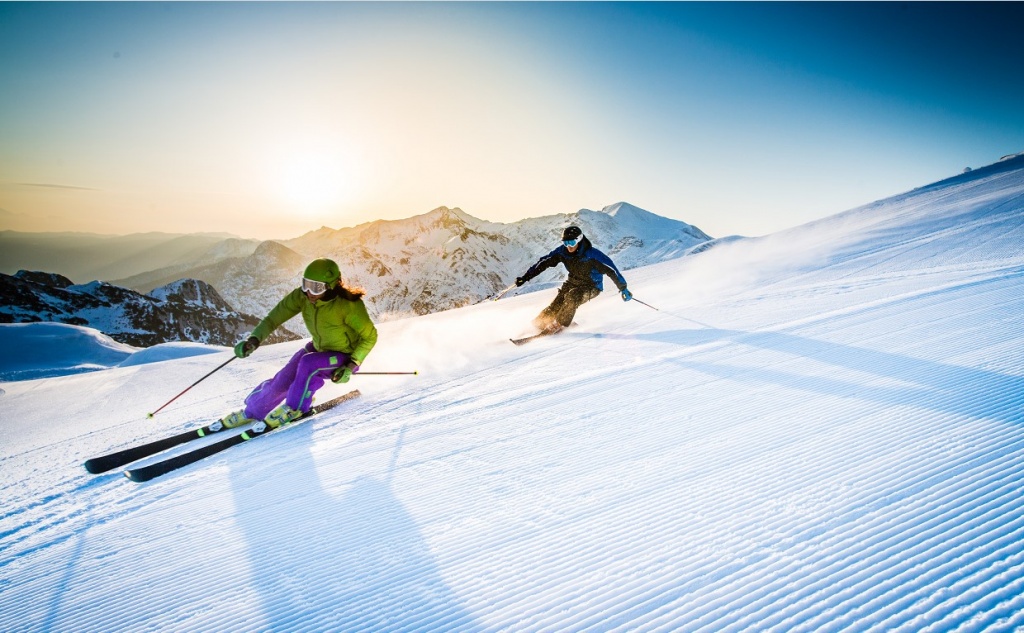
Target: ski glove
<point>246,347</point>
<point>520,281</point>
<point>626,294</point>
<point>343,373</point>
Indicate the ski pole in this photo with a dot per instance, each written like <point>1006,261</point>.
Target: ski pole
<point>646,304</point>
<point>502,293</point>
<point>710,327</point>
<point>192,385</point>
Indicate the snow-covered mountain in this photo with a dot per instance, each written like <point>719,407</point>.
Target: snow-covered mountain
<point>185,310</point>
<point>448,258</point>
<point>439,260</point>
<point>820,429</point>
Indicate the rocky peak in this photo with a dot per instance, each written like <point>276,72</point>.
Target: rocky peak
<point>274,255</point>
<point>186,310</point>
<point>272,249</point>
<point>51,280</point>
<point>454,219</point>
<point>191,291</point>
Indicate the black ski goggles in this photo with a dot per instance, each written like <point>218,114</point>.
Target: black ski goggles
<point>313,287</point>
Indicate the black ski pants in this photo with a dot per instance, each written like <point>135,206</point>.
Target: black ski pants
<point>563,308</point>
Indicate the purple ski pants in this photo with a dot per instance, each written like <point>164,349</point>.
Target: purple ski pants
<point>296,383</point>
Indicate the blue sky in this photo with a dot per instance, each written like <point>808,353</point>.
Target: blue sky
<point>270,119</point>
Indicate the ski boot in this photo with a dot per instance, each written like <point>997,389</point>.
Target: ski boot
<point>231,420</point>
<point>553,328</point>
<point>281,415</point>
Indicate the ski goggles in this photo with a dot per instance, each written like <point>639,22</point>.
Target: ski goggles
<point>313,287</point>
<point>572,242</point>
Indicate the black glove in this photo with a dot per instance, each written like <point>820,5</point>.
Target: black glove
<point>520,281</point>
<point>343,373</point>
<point>246,347</point>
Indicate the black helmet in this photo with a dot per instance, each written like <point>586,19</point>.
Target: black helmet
<point>571,233</point>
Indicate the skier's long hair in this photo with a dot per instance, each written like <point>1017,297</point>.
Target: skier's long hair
<point>349,293</point>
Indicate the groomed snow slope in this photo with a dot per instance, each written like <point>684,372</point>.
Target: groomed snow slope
<point>820,430</point>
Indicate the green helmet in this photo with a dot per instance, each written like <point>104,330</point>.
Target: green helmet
<point>324,270</point>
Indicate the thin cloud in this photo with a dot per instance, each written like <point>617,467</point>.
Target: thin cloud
<point>44,185</point>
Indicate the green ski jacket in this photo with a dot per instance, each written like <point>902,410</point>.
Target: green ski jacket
<point>337,325</point>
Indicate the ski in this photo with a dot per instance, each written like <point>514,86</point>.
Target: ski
<point>527,339</point>
<point>145,473</point>
<point>102,464</point>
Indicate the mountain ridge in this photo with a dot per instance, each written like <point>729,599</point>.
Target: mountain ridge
<point>88,256</point>
<point>438,260</point>
<point>185,310</point>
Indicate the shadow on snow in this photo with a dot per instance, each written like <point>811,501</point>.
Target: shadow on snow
<point>355,563</point>
<point>931,385</point>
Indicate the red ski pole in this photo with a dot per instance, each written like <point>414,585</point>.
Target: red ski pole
<point>192,385</point>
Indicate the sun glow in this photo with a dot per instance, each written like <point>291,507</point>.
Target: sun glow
<point>313,183</point>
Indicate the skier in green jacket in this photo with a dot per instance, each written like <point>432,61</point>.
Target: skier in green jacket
<point>343,335</point>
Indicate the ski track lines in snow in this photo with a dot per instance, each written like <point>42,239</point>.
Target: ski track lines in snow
<point>842,450</point>
<point>541,607</point>
<point>929,433</point>
<point>924,431</point>
<point>646,594</point>
<point>623,591</point>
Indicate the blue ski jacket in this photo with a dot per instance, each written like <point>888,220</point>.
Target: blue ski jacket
<point>587,266</point>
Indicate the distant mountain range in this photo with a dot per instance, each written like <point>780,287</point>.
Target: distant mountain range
<point>187,310</point>
<point>436,261</point>
<point>84,257</point>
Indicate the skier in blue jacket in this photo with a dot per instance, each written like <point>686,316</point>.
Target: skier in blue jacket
<point>587,266</point>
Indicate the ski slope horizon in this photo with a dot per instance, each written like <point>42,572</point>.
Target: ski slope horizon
<point>820,429</point>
